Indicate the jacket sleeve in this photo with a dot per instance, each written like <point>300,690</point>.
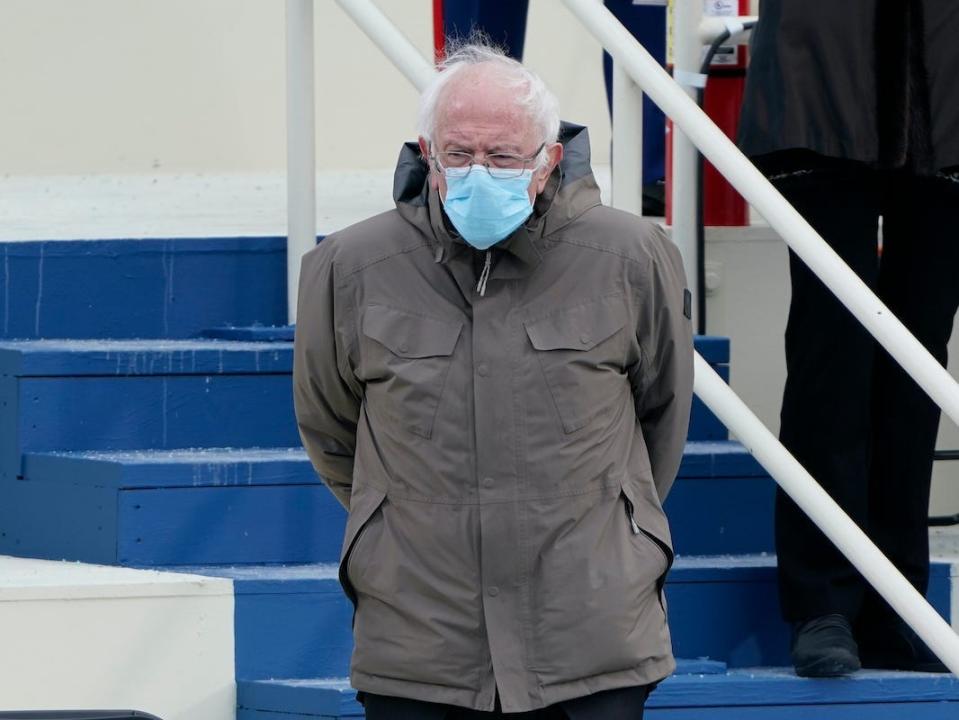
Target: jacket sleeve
<point>664,388</point>
<point>326,395</point>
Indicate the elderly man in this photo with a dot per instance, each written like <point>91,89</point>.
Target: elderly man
<point>495,379</point>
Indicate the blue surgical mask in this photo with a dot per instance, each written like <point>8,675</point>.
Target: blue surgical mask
<point>484,209</point>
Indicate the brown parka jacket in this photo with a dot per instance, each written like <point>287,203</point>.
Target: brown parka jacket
<point>503,454</point>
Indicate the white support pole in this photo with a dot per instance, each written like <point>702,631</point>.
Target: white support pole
<point>687,52</point>
<point>627,143</point>
<point>384,34</point>
<point>300,144</point>
<point>837,526</point>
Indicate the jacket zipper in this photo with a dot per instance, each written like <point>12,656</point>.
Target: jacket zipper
<point>484,276</point>
<point>634,526</point>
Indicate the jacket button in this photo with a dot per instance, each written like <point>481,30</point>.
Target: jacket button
<point>482,369</point>
<point>404,348</point>
<point>493,591</point>
<point>488,482</point>
<point>584,338</point>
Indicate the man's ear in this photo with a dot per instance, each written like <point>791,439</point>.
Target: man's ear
<point>554,154</point>
<point>425,153</point>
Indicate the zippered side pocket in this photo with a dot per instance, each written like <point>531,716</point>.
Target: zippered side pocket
<point>664,550</point>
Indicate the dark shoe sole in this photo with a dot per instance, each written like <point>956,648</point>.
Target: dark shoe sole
<point>828,667</point>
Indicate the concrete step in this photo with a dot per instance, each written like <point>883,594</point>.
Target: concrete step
<point>172,507</point>
<point>168,288</point>
<point>693,693</point>
<point>290,621</point>
<point>722,502</point>
<point>164,394</point>
<point>61,395</point>
<point>295,621</point>
<point>254,506</point>
<point>87,636</point>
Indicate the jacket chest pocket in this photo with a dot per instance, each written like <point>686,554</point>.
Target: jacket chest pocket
<point>407,365</point>
<point>581,351</point>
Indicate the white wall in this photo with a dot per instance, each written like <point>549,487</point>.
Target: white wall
<point>140,86</point>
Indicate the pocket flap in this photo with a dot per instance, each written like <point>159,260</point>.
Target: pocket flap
<point>408,335</point>
<point>579,328</point>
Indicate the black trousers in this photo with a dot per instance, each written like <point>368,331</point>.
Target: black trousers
<point>623,704</point>
<point>850,415</point>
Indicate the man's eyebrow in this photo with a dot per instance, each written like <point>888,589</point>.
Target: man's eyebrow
<point>510,148</point>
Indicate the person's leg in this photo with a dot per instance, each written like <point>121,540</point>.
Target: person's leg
<point>917,280</point>
<point>825,411</point>
<point>386,707</point>
<point>621,704</point>
<point>504,22</point>
<point>647,23</point>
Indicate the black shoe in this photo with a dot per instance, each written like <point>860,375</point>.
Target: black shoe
<point>897,647</point>
<point>824,647</point>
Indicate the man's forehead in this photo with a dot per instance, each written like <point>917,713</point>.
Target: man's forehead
<point>486,137</point>
<point>491,115</point>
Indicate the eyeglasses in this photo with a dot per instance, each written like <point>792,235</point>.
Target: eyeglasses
<point>501,166</point>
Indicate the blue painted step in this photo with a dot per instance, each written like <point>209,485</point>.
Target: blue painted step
<point>754,694</point>
<point>135,394</point>
<point>727,608</point>
<point>292,622</point>
<point>332,697</point>
<point>252,333</point>
<point>246,506</point>
<point>703,424</point>
<point>167,508</point>
<point>140,288</point>
<point>778,694</point>
<point>722,502</point>
<point>295,622</point>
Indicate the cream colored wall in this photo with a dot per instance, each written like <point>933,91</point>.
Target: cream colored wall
<point>140,86</point>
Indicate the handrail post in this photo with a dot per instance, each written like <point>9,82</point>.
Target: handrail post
<point>627,160</point>
<point>300,144</point>
<point>687,48</point>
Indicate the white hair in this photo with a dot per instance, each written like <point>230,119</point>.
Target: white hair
<point>532,94</point>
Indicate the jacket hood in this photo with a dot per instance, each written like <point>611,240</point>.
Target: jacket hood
<point>570,191</point>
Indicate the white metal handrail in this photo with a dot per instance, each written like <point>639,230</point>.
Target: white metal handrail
<point>390,41</point>
<point>827,265</point>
